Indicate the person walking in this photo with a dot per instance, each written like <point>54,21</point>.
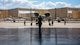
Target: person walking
<point>24,22</point>
<point>13,19</point>
<point>65,22</point>
<point>49,22</point>
<point>52,23</point>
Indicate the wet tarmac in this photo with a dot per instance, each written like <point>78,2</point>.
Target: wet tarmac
<point>30,36</point>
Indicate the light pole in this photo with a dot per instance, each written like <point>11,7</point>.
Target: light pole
<point>31,15</point>
<point>55,29</point>
<point>65,19</point>
<point>54,16</point>
<point>55,13</point>
<point>40,24</point>
<point>0,15</point>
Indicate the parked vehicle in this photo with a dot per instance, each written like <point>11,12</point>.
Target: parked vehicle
<point>8,19</point>
<point>20,19</point>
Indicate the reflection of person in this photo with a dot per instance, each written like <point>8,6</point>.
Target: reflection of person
<point>40,21</point>
<point>40,24</point>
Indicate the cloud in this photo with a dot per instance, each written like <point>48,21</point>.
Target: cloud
<point>34,4</point>
<point>63,4</point>
<point>77,6</point>
<point>48,5</point>
<point>3,7</point>
<point>6,0</point>
<point>1,1</point>
<point>43,5</point>
<point>7,5</point>
<point>17,3</point>
<point>21,1</point>
<point>51,3</point>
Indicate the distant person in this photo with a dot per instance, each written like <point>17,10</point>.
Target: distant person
<point>52,22</point>
<point>31,23</point>
<point>37,23</point>
<point>58,19</point>
<point>65,22</point>
<point>24,22</point>
<point>49,22</point>
<point>13,19</point>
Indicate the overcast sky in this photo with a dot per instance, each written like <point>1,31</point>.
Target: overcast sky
<point>38,4</point>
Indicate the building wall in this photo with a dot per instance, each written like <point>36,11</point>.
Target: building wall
<point>25,15</point>
<point>59,12</point>
<point>3,13</point>
<point>79,13</point>
<point>52,13</point>
<point>41,12</point>
<point>74,14</point>
<point>13,12</point>
<point>63,13</point>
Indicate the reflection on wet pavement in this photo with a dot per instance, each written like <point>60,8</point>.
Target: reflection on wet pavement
<point>29,36</point>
